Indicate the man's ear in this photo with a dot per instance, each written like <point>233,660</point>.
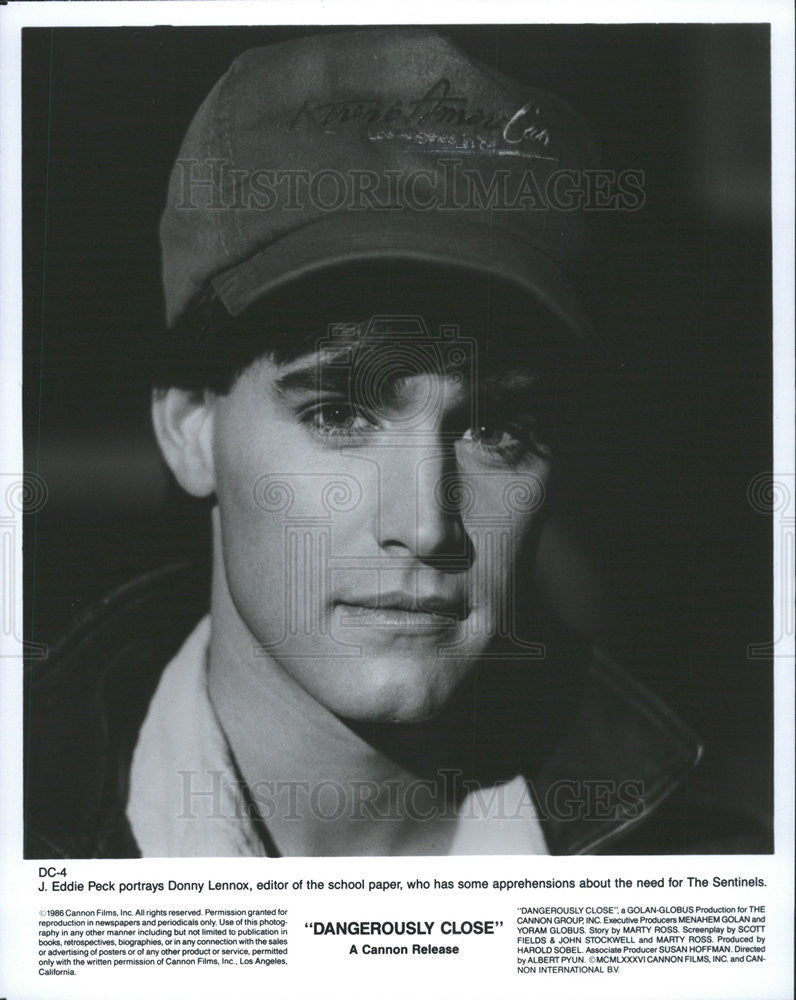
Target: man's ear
<point>183,422</point>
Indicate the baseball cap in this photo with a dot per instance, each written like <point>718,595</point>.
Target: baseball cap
<point>390,144</point>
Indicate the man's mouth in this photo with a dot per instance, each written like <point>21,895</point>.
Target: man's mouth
<point>402,609</point>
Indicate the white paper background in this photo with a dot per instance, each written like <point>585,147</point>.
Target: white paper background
<point>322,966</point>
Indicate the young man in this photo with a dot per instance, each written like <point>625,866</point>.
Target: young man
<point>371,344</point>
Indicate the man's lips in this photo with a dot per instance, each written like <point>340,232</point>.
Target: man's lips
<point>402,608</point>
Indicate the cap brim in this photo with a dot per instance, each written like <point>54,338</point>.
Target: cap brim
<point>340,240</point>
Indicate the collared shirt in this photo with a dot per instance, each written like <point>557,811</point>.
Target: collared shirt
<point>186,798</point>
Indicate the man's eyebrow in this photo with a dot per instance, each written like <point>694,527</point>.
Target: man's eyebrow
<point>512,385</point>
<point>335,373</point>
<point>317,374</point>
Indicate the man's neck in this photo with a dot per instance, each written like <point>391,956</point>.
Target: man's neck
<point>320,787</point>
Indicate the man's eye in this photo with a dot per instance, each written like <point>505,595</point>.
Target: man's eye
<point>338,419</point>
<point>491,437</point>
<point>508,442</point>
<point>495,438</point>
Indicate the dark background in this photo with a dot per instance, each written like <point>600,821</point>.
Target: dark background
<point>656,501</point>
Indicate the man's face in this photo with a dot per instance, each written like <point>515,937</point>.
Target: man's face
<point>372,516</point>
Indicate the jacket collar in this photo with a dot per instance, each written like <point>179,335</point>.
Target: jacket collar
<point>609,760</point>
<point>621,755</point>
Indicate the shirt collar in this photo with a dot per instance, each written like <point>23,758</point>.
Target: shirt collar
<point>187,799</point>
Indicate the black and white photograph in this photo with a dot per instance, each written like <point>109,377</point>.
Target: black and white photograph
<point>444,532</point>
<point>398,416</point>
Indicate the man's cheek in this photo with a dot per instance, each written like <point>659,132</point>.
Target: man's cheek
<point>252,525</point>
<point>238,470</point>
<point>258,578</point>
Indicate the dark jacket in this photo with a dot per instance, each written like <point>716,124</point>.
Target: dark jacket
<point>609,765</point>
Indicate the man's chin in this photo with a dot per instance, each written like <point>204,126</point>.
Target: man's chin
<point>400,693</point>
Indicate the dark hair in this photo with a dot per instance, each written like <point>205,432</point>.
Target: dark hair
<point>208,349</point>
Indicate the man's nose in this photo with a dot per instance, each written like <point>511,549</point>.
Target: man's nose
<point>420,511</point>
